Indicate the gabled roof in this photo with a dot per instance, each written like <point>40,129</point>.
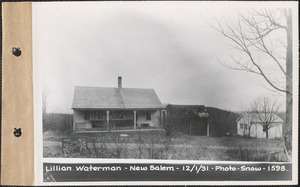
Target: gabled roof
<point>115,98</point>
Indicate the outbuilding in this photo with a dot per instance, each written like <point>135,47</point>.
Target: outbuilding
<point>249,124</point>
<point>188,119</point>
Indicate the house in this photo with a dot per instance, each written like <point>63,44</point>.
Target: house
<point>188,119</point>
<point>250,124</point>
<point>118,108</point>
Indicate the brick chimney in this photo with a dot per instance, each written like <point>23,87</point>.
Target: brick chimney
<point>119,82</point>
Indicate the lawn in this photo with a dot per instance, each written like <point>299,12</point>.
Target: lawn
<point>157,145</point>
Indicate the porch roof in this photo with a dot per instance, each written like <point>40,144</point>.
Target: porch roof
<point>115,98</point>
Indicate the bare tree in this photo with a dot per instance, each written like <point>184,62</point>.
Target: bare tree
<point>264,38</point>
<point>247,120</point>
<point>265,110</point>
<point>45,97</point>
<point>49,120</point>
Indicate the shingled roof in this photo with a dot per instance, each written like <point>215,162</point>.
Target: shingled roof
<point>115,98</point>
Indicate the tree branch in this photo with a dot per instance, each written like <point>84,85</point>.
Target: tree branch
<point>245,39</point>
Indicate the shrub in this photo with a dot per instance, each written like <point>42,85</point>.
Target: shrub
<point>57,122</point>
<point>241,153</point>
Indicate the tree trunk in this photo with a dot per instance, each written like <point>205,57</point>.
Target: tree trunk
<point>289,72</point>
<point>267,133</point>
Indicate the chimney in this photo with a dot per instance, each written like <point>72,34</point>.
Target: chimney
<point>119,82</point>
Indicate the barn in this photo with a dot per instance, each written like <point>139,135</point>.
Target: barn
<point>222,122</point>
<point>189,119</point>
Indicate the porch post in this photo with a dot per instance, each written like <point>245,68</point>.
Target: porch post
<point>207,129</point>
<point>134,119</point>
<point>107,119</point>
<point>160,118</point>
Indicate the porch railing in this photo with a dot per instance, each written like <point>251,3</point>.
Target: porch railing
<point>114,125</point>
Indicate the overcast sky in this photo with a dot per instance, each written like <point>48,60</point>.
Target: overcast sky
<point>167,46</point>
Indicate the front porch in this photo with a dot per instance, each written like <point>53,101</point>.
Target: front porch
<point>114,120</point>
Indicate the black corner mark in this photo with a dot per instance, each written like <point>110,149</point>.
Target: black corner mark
<point>17,132</point>
<point>16,51</point>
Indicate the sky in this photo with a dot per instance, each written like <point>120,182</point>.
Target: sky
<point>167,46</point>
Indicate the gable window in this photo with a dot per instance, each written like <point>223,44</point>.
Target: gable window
<point>119,115</point>
<point>86,115</point>
<point>100,115</point>
<point>148,115</point>
<point>241,126</point>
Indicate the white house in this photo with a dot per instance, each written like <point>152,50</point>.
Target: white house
<point>106,109</point>
<point>250,124</point>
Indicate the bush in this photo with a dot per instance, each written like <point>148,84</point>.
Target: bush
<point>138,145</point>
<point>240,153</point>
<point>57,122</point>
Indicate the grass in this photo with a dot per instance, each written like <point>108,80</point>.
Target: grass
<point>156,145</point>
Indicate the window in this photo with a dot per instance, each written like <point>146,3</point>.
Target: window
<point>100,115</point>
<point>86,115</point>
<point>119,115</point>
<point>148,115</point>
<point>244,126</point>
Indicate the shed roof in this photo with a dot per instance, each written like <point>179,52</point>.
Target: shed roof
<point>115,98</point>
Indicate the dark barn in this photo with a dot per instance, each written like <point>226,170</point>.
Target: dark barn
<point>188,119</point>
<point>222,122</point>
